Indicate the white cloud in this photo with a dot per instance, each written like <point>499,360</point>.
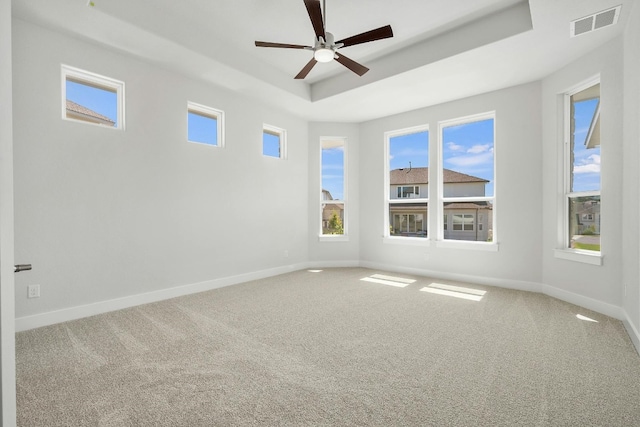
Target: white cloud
<point>471,160</point>
<point>477,149</point>
<point>454,147</point>
<point>590,165</point>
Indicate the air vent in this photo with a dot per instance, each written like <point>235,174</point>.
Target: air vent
<point>594,22</point>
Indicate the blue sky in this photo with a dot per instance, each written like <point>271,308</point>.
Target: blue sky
<point>412,148</point>
<point>468,148</point>
<point>586,164</point>
<point>270,145</point>
<point>333,171</point>
<point>202,129</point>
<point>99,100</point>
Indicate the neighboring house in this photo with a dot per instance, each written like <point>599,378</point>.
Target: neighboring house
<point>328,209</point>
<point>79,112</point>
<point>462,220</point>
<point>587,217</point>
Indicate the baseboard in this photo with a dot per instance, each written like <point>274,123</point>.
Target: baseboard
<point>332,264</point>
<point>632,331</point>
<point>586,302</point>
<point>487,281</point>
<point>72,313</point>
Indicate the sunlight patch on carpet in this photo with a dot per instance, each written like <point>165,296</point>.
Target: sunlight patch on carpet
<point>398,282</point>
<point>455,291</point>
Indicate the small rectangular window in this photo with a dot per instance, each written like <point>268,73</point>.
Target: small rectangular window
<point>91,98</point>
<point>333,177</point>
<point>273,142</point>
<point>205,125</point>
<point>407,182</point>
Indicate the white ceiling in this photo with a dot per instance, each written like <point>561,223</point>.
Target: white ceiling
<point>441,50</point>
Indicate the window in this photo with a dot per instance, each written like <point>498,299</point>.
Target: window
<point>405,192</point>
<point>581,230</point>
<point>333,182</point>
<point>205,125</point>
<point>463,222</point>
<point>407,182</point>
<point>273,142</point>
<point>91,98</point>
<point>467,177</point>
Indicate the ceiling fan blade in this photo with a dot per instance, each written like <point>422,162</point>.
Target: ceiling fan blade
<point>351,64</point>
<point>282,45</point>
<point>303,73</point>
<point>315,14</point>
<point>369,36</point>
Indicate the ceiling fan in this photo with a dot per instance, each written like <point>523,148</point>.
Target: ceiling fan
<point>325,48</point>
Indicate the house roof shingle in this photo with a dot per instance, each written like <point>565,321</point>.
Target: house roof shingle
<point>421,176</point>
<point>77,108</point>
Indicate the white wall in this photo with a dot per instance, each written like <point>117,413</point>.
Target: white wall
<point>7,310</point>
<point>601,283</point>
<point>518,196</point>
<point>330,251</point>
<point>105,214</point>
<point>631,164</point>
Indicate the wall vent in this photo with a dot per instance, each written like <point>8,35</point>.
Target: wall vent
<point>594,22</point>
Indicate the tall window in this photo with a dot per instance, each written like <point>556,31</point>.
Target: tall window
<point>333,197</point>
<point>274,142</point>
<point>407,182</point>
<point>91,98</point>
<point>467,178</point>
<point>582,168</point>
<point>205,125</point>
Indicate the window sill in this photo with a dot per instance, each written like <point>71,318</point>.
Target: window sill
<point>333,238</point>
<point>593,258</point>
<point>468,245</point>
<point>411,241</point>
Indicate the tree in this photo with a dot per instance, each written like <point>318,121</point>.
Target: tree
<point>335,224</point>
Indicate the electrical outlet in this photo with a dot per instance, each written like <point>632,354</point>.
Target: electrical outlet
<point>33,291</point>
<point>286,254</point>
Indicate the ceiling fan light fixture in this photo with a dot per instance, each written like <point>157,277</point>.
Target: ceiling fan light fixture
<point>324,54</point>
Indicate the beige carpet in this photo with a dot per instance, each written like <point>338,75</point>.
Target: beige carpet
<point>330,349</point>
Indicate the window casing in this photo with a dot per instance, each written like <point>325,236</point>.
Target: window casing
<point>205,125</point>
<point>407,183</point>
<point>92,98</point>
<point>581,207</point>
<point>466,184</point>
<point>274,142</point>
<point>333,191</point>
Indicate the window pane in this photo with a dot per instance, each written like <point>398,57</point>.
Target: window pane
<point>584,223</point>
<point>469,221</point>
<point>270,144</point>
<point>90,103</point>
<point>408,165</point>
<point>332,218</point>
<point>333,168</point>
<point>585,140</point>
<point>203,129</point>
<point>468,159</point>
<point>408,220</point>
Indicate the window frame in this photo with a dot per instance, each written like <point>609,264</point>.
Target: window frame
<point>211,113</point>
<point>386,234</point>
<point>563,249</point>
<point>282,137</point>
<point>99,81</point>
<point>345,214</point>
<point>493,245</point>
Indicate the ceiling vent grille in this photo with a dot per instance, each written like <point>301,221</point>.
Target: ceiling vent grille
<point>594,22</point>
